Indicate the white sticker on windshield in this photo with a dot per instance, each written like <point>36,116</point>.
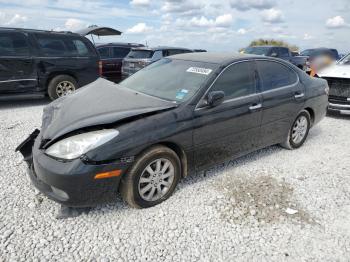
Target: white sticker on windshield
<point>199,70</point>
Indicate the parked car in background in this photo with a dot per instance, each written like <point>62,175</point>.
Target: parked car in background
<point>278,52</point>
<point>177,115</point>
<point>319,58</point>
<point>35,63</point>
<point>338,77</point>
<point>317,52</point>
<point>138,58</point>
<point>112,56</point>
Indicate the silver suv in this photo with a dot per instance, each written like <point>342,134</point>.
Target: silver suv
<point>138,58</point>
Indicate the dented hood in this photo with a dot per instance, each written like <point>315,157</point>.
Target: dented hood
<point>101,102</point>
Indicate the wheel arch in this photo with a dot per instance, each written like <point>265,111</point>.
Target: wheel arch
<point>181,154</point>
<point>177,149</point>
<point>311,113</point>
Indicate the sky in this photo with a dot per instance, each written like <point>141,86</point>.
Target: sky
<point>225,25</point>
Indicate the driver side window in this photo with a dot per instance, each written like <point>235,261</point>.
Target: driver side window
<point>238,80</point>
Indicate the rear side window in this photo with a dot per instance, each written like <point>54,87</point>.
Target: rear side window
<point>61,45</point>
<point>236,81</point>
<point>81,48</point>
<point>283,52</point>
<point>120,52</point>
<point>274,75</point>
<point>104,52</point>
<point>13,44</point>
<point>52,45</point>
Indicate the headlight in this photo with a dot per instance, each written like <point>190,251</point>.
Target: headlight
<point>74,146</point>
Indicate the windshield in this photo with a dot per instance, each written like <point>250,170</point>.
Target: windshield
<point>257,50</point>
<point>170,79</point>
<point>141,54</point>
<point>345,60</point>
<point>307,52</point>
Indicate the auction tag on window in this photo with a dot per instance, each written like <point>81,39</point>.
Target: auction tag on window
<point>199,70</point>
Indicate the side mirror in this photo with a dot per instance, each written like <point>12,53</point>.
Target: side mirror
<point>215,98</point>
<point>274,55</point>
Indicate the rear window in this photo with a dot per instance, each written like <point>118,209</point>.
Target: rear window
<point>120,52</point>
<point>59,45</point>
<point>13,44</point>
<point>140,54</point>
<point>104,52</point>
<point>257,50</point>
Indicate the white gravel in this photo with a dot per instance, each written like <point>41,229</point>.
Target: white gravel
<point>237,211</point>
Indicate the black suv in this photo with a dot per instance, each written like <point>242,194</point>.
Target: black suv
<point>112,55</point>
<point>35,63</point>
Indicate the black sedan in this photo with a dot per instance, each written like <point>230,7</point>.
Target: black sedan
<point>172,118</point>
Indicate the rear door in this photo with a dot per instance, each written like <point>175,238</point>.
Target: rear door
<point>233,127</point>
<point>283,97</point>
<point>17,70</point>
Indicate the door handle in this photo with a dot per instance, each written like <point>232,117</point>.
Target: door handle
<point>255,106</point>
<point>299,95</point>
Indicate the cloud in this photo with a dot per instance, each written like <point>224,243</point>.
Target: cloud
<point>73,24</point>
<point>139,29</point>
<point>140,3</point>
<point>223,20</point>
<point>14,20</point>
<point>336,22</point>
<point>241,31</point>
<point>182,7</point>
<point>220,21</point>
<point>272,16</point>
<point>244,5</point>
<point>307,36</point>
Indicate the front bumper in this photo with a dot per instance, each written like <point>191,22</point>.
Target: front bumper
<point>70,183</point>
<point>339,105</point>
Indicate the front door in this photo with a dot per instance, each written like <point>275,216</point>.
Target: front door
<point>232,128</point>
<point>17,70</point>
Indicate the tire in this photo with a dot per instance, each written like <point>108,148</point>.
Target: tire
<point>291,142</point>
<point>131,187</point>
<point>61,85</point>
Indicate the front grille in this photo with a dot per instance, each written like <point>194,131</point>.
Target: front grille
<point>338,87</point>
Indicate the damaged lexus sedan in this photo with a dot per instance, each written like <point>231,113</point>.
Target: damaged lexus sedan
<point>176,116</point>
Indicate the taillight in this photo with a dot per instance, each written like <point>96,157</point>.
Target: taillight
<point>100,68</point>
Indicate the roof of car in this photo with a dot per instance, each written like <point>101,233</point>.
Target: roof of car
<point>216,58</point>
<point>36,30</point>
<point>119,44</point>
<point>161,48</point>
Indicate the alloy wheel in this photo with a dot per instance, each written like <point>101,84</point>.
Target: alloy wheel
<point>64,88</point>
<point>299,129</point>
<point>156,179</point>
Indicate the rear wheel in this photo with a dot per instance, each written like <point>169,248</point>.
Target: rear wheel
<point>61,85</point>
<point>152,179</point>
<point>298,132</point>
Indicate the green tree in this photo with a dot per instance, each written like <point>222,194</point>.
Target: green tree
<point>273,42</point>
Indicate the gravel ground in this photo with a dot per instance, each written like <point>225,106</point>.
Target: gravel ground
<point>239,210</point>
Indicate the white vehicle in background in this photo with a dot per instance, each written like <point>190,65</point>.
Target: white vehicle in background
<point>338,77</point>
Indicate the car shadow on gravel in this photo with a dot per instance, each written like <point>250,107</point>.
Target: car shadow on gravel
<point>23,103</point>
<point>338,116</point>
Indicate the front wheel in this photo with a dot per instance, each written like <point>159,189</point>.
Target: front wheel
<point>298,132</point>
<point>152,179</point>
